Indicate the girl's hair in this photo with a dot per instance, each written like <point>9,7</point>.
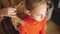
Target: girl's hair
<point>31,4</point>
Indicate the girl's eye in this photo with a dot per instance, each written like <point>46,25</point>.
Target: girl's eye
<point>37,15</point>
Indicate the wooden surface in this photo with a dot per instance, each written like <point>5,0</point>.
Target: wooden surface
<point>52,28</point>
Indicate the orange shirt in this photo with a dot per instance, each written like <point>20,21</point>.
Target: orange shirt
<point>32,27</point>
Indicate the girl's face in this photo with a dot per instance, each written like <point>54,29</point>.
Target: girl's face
<point>39,12</point>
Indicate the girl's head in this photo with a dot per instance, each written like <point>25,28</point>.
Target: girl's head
<point>36,8</point>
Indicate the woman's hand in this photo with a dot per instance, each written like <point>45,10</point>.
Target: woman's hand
<point>10,12</point>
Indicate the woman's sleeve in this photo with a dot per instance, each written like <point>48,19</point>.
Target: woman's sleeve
<point>7,26</point>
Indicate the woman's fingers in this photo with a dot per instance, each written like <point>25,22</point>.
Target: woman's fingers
<point>11,12</point>
<point>7,12</point>
<point>11,9</point>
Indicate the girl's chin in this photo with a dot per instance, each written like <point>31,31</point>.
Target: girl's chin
<point>39,20</point>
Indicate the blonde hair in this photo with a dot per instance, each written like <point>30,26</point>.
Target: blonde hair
<point>31,4</point>
<point>17,20</point>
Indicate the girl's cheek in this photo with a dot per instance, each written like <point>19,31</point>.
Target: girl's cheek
<point>37,18</point>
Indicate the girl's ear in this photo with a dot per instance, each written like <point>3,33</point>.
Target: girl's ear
<point>28,12</point>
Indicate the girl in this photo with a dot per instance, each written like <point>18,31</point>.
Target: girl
<point>35,20</point>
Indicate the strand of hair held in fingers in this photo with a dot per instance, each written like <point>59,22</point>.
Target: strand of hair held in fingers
<point>16,20</point>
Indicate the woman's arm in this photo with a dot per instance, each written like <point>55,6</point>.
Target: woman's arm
<point>7,26</point>
<point>10,12</point>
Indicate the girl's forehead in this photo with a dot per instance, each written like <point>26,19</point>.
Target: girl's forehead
<point>40,8</point>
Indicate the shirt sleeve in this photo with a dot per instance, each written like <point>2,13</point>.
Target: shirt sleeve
<point>43,31</point>
<point>22,32</point>
<point>21,29</point>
